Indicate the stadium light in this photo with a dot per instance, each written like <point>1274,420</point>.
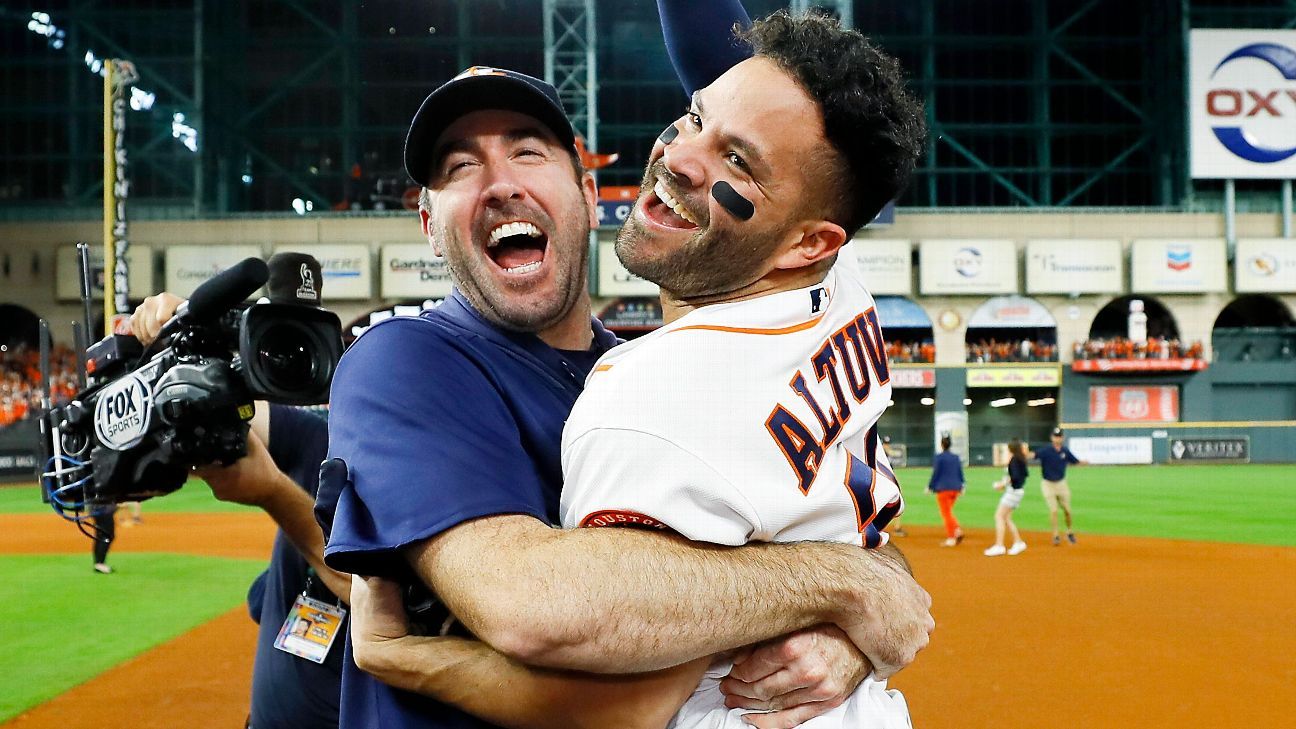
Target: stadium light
<point>1003,401</point>
<point>1040,401</point>
<point>928,401</point>
<point>140,100</point>
<point>187,135</point>
<point>967,401</point>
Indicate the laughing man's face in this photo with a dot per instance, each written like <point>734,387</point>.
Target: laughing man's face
<point>511,217</point>
<point>758,130</point>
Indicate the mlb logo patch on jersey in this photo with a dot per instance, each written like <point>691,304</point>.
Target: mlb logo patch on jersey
<point>819,299</point>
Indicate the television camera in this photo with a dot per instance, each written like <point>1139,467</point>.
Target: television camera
<point>147,414</point>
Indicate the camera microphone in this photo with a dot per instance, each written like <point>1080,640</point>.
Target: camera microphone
<point>224,290</point>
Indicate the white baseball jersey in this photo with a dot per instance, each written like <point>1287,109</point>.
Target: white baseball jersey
<point>752,420</point>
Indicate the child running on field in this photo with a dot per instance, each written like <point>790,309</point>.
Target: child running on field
<point>1015,483</point>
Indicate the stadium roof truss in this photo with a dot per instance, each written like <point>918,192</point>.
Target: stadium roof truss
<point>1031,103</point>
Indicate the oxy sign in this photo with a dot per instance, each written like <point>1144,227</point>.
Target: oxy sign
<point>1242,103</point>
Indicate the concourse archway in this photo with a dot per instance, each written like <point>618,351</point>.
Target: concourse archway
<point>1011,329</point>
<point>907,330</point>
<point>1112,321</point>
<point>1254,328</point>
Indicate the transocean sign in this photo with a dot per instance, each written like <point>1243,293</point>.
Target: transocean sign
<point>1242,103</point>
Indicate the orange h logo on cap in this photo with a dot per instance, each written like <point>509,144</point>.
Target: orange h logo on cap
<point>479,71</point>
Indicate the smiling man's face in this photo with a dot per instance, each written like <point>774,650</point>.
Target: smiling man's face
<point>512,218</point>
<point>756,129</point>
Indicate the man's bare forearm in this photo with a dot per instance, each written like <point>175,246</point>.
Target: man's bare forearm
<point>293,510</point>
<point>614,600</point>
<point>473,677</point>
<point>893,552</point>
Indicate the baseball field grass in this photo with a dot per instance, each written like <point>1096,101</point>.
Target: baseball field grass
<point>193,498</point>
<point>63,624</point>
<point>1245,504</point>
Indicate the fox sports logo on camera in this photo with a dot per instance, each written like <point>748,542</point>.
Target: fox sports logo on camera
<point>123,412</point>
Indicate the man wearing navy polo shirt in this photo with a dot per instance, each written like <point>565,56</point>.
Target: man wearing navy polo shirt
<point>1053,460</point>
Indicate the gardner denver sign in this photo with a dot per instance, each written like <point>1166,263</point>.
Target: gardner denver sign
<point>1242,103</point>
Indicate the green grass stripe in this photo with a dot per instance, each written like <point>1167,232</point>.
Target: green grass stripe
<point>1249,504</point>
<point>194,497</point>
<point>64,624</point>
<point>1253,503</point>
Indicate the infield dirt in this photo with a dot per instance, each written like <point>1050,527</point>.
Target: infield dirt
<point>1113,632</point>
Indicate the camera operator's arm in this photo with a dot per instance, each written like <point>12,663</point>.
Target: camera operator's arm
<point>255,480</point>
<point>149,317</point>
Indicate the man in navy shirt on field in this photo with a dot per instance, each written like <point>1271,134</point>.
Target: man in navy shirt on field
<point>279,475</point>
<point>444,470</point>
<point>1053,460</point>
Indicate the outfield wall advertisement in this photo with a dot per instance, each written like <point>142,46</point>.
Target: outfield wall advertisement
<point>1265,266</point>
<point>968,267</point>
<point>67,272</point>
<point>188,267</point>
<point>347,268</point>
<point>614,279</point>
<point>1113,450</point>
<point>885,265</point>
<point>1074,267</point>
<point>1188,266</point>
<point>1134,404</point>
<point>1228,450</point>
<point>17,463</point>
<point>912,378</point>
<point>1241,102</point>
<point>1014,377</point>
<point>413,271</point>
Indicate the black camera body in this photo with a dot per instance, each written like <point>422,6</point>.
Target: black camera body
<point>144,420</point>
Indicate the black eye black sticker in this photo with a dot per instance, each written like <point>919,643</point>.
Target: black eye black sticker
<point>729,199</point>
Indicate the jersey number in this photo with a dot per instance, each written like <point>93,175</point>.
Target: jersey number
<point>861,477</point>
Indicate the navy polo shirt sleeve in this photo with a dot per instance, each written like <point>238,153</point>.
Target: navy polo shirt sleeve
<point>699,38</point>
<point>1070,457</point>
<point>428,443</point>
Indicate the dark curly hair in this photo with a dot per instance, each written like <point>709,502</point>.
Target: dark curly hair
<point>873,123</point>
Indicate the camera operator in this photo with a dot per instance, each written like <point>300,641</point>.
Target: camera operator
<point>279,475</point>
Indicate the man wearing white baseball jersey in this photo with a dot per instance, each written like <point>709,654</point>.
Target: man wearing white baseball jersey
<point>752,414</point>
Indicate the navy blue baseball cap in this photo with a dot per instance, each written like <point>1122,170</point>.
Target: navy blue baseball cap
<point>477,88</point>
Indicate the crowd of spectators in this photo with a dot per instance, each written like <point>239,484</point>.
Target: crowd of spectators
<point>1021,350</point>
<point>20,380</point>
<point>1122,348</point>
<point>924,352</point>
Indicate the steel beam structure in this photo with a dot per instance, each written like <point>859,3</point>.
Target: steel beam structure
<point>571,64</point>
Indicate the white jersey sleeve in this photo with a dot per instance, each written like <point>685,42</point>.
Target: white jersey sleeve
<point>623,477</point>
